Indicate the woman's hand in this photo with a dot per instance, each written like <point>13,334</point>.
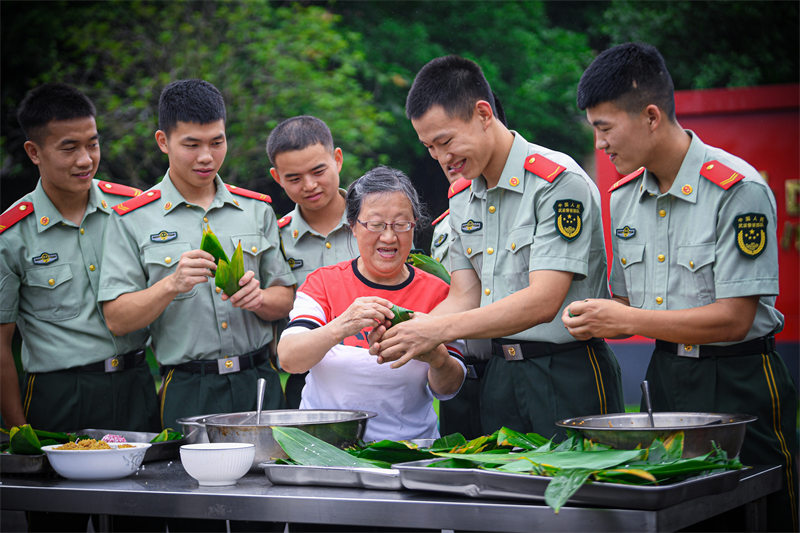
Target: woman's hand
<point>364,312</point>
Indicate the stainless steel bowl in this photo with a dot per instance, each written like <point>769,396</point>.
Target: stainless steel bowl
<point>626,431</point>
<point>194,428</point>
<point>338,427</point>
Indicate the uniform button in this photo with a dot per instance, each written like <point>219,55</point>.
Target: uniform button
<point>492,209</point>
<point>659,300</point>
<point>490,251</point>
<point>224,325</point>
<point>167,206</point>
<point>691,264</point>
<point>469,250</point>
<point>83,231</point>
<point>254,249</point>
<point>51,281</point>
<point>218,290</point>
<point>328,245</point>
<point>104,204</point>
<point>92,268</point>
<point>661,258</point>
<point>487,292</point>
<point>205,219</point>
<point>294,234</point>
<point>168,260</point>
<point>662,213</point>
<point>513,246</point>
<point>623,261</point>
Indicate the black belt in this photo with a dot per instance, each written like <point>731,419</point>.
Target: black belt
<point>223,365</point>
<point>116,363</point>
<point>514,350</point>
<point>751,347</point>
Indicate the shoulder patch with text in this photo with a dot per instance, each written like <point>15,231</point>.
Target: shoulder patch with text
<point>751,234</point>
<point>568,218</point>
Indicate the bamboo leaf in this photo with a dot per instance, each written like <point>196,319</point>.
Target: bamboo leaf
<point>564,485</point>
<point>429,265</point>
<point>308,450</point>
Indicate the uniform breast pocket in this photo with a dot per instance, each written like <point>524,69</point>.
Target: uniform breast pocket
<point>518,257</point>
<point>473,247</point>
<point>631,260</point>
<point>162,259</point>
<point>52,294</point>
<point>253,245</point>
<point>697,275</point>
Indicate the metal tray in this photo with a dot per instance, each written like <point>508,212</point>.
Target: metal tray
<point>476,483</point>
<point>24,464</point>
<point>159,451</point>
<point>332,476</point>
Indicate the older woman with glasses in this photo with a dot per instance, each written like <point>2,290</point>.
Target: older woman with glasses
<point>338,305</point>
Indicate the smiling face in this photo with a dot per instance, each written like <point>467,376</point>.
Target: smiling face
<point>309,176</point>
<point>625,137</point>
<point>462,148</point>
<point>384,254</point>
<point>67,156</point>
<point>196,153</point>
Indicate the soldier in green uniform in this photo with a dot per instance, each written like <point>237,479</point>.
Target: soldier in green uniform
<point>306,164</point>
<point>78,375</point>
<point>527,236</point>
<point>212,348</point>
<point>695,264</point>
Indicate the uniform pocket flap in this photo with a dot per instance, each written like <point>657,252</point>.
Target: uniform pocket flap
<point>519,238</point>
<point>630,254</point>
<point>166,255</point>
<point>252,243</point>
<point>49,277</point>
<point>695,256</point>
<point>472,245</point>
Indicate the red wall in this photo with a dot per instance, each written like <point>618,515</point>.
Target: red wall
<point>762,126</point>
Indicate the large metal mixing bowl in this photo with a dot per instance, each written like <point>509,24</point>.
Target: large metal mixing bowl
<point>338,427</point>
<point>626,431</point>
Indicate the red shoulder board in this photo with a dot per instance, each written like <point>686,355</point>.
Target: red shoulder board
<point>459,185</point>
<point>137,202</point>
<point>284,220</point>
<point>630,177</point>
<point>249,194</point>
<point>440,218</point>
<point>721,175</point>
<point>15,214</point>
<point>543,167</point>
<point>118,189</point>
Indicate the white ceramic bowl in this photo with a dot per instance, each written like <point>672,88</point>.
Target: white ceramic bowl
<point>217,463</point>
<point>97,464</point>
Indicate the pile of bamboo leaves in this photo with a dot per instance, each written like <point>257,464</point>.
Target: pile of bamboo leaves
<point>569,463</point>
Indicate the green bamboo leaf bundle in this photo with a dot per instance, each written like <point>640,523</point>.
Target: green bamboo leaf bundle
<point>229,274</point>
<point>305,449</point>
<point>429,265</point>
<point>401,314</point>
<point>209,243</point>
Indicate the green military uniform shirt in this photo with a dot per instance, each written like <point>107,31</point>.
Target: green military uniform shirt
<point>49,280</point>
<point>441,240</point>
<point>307,250</point>
<point>528,223</point>
<point>691,245</point>
<point>144,246</point>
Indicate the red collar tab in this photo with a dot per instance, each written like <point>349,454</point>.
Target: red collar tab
<point>118,189</point>
<point>440,218</point>
<point>136,202</point>
<point>459,185</point>
<point>284,220</point>
<point>15,214</point>
<point>248,193</point>
<point>719,174</point>
<point>544,168</point>
<point>627,179</point>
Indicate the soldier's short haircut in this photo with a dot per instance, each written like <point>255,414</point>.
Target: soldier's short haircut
<point>194,101</point>
<point>49,102</point>
<point>298,133</point>
<point>453,82</point>
<point>632,76</point>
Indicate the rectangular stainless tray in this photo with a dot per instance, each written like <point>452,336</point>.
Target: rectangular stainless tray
<point>159,451</point>
<point>333,476</point>
<point>476,483</point>
<point>24,464</point>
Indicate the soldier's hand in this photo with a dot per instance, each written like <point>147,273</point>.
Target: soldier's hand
<point>600,318</point>
<point>249,294</point>
<point>194,266</point>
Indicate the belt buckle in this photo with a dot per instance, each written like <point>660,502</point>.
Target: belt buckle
<point>114,364</point>
<point>512,352</point>
<point>689,350</point>
<point>228,365</point>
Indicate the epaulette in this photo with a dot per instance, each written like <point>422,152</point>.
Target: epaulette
<point>457,186</point>
<point>137,202</point>
<point>249,194</point>
<point>118,189</point>
<point>543,167</point>
<point>15,214</point>
<point>627,179</point>
<point>719,174</point>
<point>440,218</point>
<point>284,220</point>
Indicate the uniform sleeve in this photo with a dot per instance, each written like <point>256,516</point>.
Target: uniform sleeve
<point>273,268</point>
<point>563,233</point>
<point>10,282</point>
<point>121,271</point>
<point>746,252</point>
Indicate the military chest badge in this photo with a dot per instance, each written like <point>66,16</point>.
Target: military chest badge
<point>626,233</point>
<point>45,258</point>
<point>471,226</point>
<point>164,236</point>
<point>294,264</point>
<point>751,233</point>
<point>568,218</point>
<point>440,240</point>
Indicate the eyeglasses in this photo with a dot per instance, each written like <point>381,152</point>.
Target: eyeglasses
<point>378,226</point>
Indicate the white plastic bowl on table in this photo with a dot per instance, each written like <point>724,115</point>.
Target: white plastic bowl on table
<point>217,463</point>
<point>96,465</point>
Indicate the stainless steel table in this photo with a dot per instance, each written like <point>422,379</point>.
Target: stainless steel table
<point>164,489</point>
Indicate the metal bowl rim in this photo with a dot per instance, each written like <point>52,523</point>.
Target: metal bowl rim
<point>357,415</point>
<point>739,418</point>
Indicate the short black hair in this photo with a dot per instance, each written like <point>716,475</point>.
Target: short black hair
<point>631,75</point>
<point>189,101</point>
<point>297,133</point>
<point>49,102</point>
<point>453,82</point>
